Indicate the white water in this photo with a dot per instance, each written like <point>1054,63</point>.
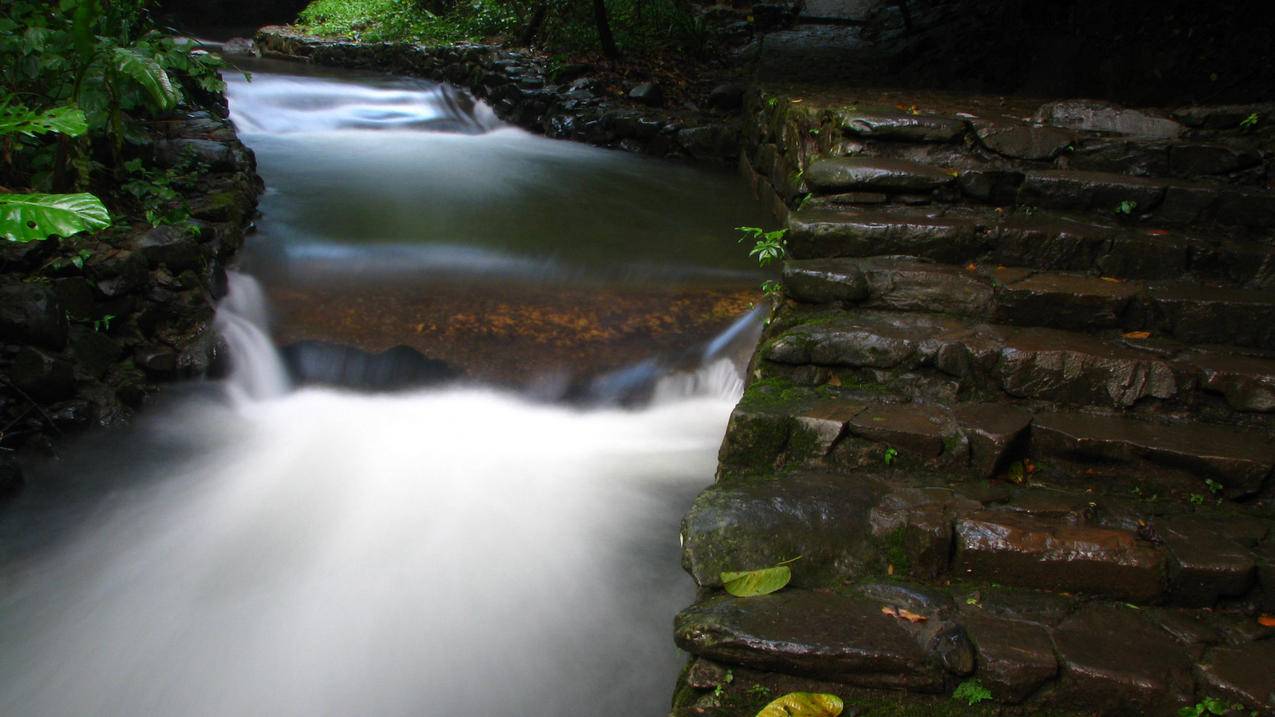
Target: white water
<point>455,551</point>
<point>257,549</point>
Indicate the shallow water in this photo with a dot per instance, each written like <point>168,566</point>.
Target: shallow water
<point>257,548</point>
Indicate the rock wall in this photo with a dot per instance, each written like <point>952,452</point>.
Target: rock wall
<point>562,103</point>
<point>90,326</point>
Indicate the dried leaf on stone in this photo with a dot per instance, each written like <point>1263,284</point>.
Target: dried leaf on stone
<point>903,614</point>
<point>1137,335</point>
<point>1266,620</point>
<point>804,704</point>
<point>750,583</point>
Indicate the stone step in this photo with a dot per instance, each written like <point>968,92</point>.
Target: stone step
<point>1153,200</point>
<point>1239,463</point>
<point>876,174</point>
<point>935,356</point>
<point>1042,240</point>
<point>1187,312</point>
<point>1045,652</point>
<point>895,522</point>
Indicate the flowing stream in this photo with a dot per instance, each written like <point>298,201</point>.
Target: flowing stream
<point>501,543</point>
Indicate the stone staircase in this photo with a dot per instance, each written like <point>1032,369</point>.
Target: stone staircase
<point>1021,384</point>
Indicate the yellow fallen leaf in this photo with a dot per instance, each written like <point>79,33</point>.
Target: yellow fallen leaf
<point>804,704</point>
<point>1112,280</point>
<point>1266,620</point>
<point>903,614</point>
<point>1137,335</point>
<point>834,381</point>
<point>971,266</point>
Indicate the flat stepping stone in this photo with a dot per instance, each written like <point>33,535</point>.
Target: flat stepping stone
<point>1098,116</point>
<point>1090,191</point>
<point>1029,362</point>
<point>1042,240</point>
<point>899,126</point>
<point>1114,662</point>
<point>1029,142</point>
<point>1241,674</point>
<point>847,174</point>
<point>1238,459</point>
<point>746,525</point>
<point>842,638</point>
<point>1014,549</point>
<point>1187,312</point>
<point>1015,658</point>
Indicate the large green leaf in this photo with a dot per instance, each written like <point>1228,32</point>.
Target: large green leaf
<point>749,583</point>
<point>16,119</point>
<point>804,704</point>
<point>33,217</point>
<point>148,74</point>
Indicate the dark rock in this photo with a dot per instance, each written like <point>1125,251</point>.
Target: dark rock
<point>1220,116</point>
<point>705,674</point>
<point>647,93</point>
<point>953,648</point>
<point>1247,207</point>
<point>1092,191</point>
<point>913,530</point>
<point>1239,460</point>
<point>905,285</point>
<point>32,313</point>
<point>816,635</point>
<point>1064,301</point>
<point>218,156</point>
<point>172,246</point>
<point>1242,674</point>
<point>726,97</point>
<point>709,141</point>
<point>994,431</point>
<point>119,273</point>
<point>755,438</point>
<point>1246,382</point>
<point>947,237</point>
<point>824,281</point>
<point>1193,159</point>
<point>1014,658</point>
<point>1095,116</point>
<point>899,126</point>
<point>11,480</point>
<point>745,525</point>
<point>1114,662</point>
<point>1052,555</point>
<point>158,361</point>
<point>1030,142</point>
<point>841,174</point>
<point>94,351</point>
<point>1204,564</point>
<point>1202,314</point>
<point>1120,156</point>
<point>41,376</point>
<point>914,430</point>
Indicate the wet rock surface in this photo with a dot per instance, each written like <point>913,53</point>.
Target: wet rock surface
<point>90,327</point>
<point>1031,346</point>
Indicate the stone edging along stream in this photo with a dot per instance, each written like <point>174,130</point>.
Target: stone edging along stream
<point>83,343</point>
<point>519,87</point>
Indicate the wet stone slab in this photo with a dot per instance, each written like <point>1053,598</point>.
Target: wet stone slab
<point>843,638</point>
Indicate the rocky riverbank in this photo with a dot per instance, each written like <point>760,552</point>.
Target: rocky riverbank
<point>526,90</point>
<point>92,325</point>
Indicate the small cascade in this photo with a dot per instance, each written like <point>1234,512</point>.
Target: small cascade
<point>242,320</point>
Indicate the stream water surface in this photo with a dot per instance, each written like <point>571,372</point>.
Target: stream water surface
<point>504,543</point>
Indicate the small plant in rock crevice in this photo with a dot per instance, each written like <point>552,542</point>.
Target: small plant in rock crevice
<point>971,692</point>
<point>1250,121</point>
<point>1126,207</point>
<point>1210,706</point>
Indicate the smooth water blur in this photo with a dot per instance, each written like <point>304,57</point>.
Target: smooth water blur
<point>254,548</point>
<point>355,189</point>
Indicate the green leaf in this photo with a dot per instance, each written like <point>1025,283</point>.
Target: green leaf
<point>148,74</point>
<point>804,704</point>
<point>34,217</point>
<point>67,120</point>
<point>750,583</point>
